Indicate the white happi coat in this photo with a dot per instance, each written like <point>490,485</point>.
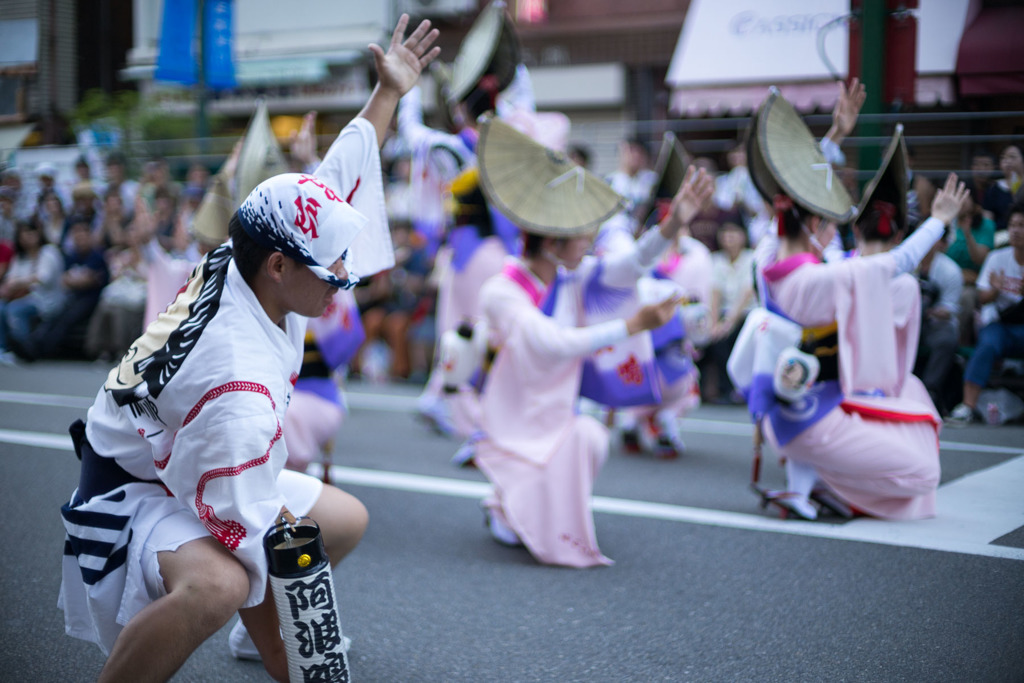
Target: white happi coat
<point>195,412</point>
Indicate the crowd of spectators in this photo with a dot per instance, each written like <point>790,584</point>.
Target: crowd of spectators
<point>74,260</point>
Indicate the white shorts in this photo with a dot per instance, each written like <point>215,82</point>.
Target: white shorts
<point>300,491</point>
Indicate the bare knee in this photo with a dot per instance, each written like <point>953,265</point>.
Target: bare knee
<point>342,519</point>
<point>211,582</point>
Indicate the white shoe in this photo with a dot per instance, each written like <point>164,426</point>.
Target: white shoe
<point>241,644</point>
<point>242,647</point>
<point>436,414</point>
<point>961,416</point>
<point>464,456</point>
<point>668,431</point>
<point>500,532</point>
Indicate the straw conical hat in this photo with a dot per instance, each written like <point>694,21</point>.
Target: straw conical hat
<point>673,160</point>
<point>442,74</point>
<point>539,189</point>
<point>890,183</point>
<point>490,47</point>
<point>261,157</point>
<point>210,223</point>
<point>783,157</point>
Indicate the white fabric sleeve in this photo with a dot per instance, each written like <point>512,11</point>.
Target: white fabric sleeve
<point>548,339</point>
<point>507,310</point>
<point>910,251</point>
<point>220,466</point>
<point>650,246</point>
<point>351,168</point>
<point>623,267</point>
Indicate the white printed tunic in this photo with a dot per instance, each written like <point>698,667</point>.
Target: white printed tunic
<point>194,411</point>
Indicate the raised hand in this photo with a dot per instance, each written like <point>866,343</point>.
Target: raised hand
<point>949,199</point>
<point>231,165</point>
<point>652,315</point>
<point>847,109</point>
<point>694,195</point>
<point>399,68</point>
<point>302,144</point>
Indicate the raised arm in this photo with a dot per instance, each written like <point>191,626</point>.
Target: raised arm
<point>398,69</point>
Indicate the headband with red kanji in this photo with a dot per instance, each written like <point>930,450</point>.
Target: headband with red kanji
<point>299,216</point>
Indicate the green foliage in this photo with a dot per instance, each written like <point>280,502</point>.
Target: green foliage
<point>110,109</point>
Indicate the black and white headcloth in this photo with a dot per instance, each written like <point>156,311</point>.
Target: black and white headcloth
<point>300,216</point>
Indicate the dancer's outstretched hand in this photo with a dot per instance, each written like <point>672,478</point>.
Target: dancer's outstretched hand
<point>694,196</point>
<point>949,199</point>
<point>652,315</point>
<point>400,67</point>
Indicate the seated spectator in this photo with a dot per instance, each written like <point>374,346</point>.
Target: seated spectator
<point>634,179</point>
<point>117,320</point>
<point>7,218</point>
<point>995,201</point>
<point>24,201</point>
<point>85,275</point>
<point>112,230</point>
<point>388,307</point>
<point>1011,164</point>
<point>46,178</point>
<point>30,291</point>
<point>165,213</point>
<point>732,297</point>
<point>735,191</point>
<point>1009,189</point>
<point>6,256</point>
<point>1000,289</point>
<point>118,180</point>
<point>973,237</point>
<point>941,285</point>
<point>52,216</point>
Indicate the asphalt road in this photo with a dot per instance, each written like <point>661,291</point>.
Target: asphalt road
<point>706,585</point>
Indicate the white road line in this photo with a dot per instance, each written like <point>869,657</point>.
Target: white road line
<point>395,403</point>
<point>976,509</point>
<point>37,439</point>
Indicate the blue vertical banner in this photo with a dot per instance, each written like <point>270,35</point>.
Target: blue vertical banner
<point>176,60</point>
<point>218,44</point>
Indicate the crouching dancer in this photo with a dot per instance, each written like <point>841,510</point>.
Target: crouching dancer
<point>541,456</point>
<point>182,455</point>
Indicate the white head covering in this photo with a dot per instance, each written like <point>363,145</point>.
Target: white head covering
<point>299,216</point>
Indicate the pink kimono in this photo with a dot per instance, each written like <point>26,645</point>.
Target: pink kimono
<point>878,449</point>
<point>541,455</point>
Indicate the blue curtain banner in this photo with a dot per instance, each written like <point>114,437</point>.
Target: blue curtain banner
<point>176,61</point>
<point>218,45</point>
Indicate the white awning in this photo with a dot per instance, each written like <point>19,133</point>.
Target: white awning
<point>730,51</point>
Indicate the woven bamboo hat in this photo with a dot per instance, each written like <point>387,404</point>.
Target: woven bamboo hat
<point>784,158</point>
<point>890,183</point>
<point>442,74</point>
<point>261,157</point>
<point>673,160</point>
<point>490,48</point>
<point>210,223</point>
<point>539,189</point>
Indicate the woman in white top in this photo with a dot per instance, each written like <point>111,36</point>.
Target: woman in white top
<point>31,290</point>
